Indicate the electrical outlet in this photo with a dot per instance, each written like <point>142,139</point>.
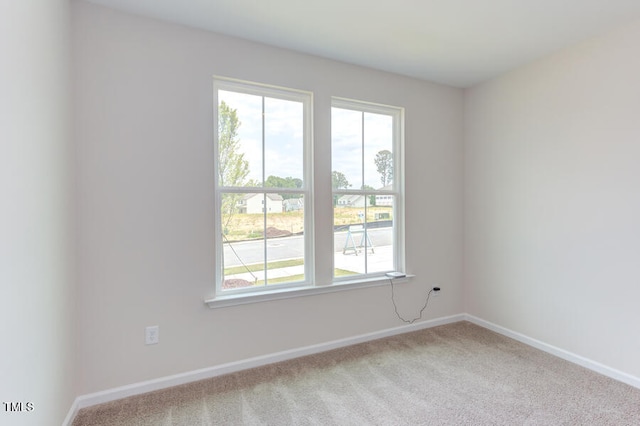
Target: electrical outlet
<point>436,293</point>
<point>152,335</point>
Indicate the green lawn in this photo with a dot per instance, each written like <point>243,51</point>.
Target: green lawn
<point>338,273</point>
<point>260,266</point>
<point>255,267</point>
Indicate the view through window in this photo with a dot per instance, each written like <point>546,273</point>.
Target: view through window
<point>364,144</point>
<point>262,149</point>
<point>264,195</point>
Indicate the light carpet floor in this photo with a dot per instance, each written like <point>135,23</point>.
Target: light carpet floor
<point>456,374</point>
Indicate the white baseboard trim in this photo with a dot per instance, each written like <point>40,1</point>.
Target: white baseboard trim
<point>207,373</point>
<point>73,411</point>
<point>560,353</point>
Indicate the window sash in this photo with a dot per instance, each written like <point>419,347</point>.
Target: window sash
<point>397,186</point>
<point>266,91</point>
<point>310,283</point>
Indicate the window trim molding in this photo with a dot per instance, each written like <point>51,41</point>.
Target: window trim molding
<point>311,286</point>
<point>279,92</point>
<point>398,114</point>
<point>295,292</point>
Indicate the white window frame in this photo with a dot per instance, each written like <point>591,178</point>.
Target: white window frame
<point>306,98</point>
<point>397,190</point>
<point>311,284</point>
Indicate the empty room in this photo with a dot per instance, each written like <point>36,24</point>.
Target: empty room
<point>285,212</point>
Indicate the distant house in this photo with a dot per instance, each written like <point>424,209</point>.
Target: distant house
<point>293,204</point>
<point>353,200</point>
<point>254,203</point>
<point>385,200</point>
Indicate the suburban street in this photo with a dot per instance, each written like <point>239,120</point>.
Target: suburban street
<point>292,247</point>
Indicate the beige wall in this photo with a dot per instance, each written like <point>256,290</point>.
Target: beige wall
<point>36,278</point>
<point>552,205</point>
<point>146,243</point>
<point>551,202</point>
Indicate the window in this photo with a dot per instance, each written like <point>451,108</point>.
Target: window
<point>367,188</point>
<point>262,153</point>
<point>264,198</point>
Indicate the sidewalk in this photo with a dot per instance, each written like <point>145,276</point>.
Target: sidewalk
<point>380,260</point>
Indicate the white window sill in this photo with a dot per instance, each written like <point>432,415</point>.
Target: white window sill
<point>292,292</point>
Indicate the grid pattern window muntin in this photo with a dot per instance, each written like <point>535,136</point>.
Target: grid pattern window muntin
<point>259,196</point>
<point>357,253</point>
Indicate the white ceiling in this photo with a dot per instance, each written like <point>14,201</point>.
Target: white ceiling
<point>455,42</point>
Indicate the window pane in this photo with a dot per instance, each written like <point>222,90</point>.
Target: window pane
<point>283,121</point>
<point>346,148</point>
<point>380,232</point>
<point>363,234</point>
<point>285,238</point>
<point>250,237</point>
<point>243,245</point>
<point>348,224</point>
<point>239,139</point>
<point>378,151</point>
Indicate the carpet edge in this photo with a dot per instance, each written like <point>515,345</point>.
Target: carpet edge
<point>138,388</point>
<point>560,353</point>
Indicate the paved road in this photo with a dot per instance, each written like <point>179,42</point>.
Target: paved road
<point>291,247</point>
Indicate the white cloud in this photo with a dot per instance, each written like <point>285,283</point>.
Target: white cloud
<point>348,154</point>
<point>283,134</point>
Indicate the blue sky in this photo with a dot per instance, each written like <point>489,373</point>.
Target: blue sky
<point>347,154</point>
<point>283,134</point>
<point>284,138</point>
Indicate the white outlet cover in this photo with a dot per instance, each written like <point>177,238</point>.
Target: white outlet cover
<point>152,335</point>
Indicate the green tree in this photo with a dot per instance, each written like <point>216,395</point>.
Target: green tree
<point>384,165</point>
<point>338,181</point>
<point>233,168</point>
<point>297,182</point>
<point>372,197</point>
<point>288,182</point>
